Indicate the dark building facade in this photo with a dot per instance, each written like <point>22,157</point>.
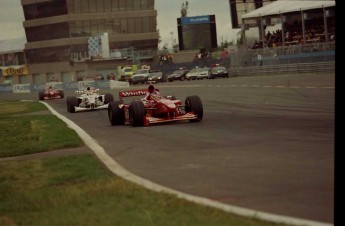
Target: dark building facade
<point>58,31</point>
<point>241,7</point>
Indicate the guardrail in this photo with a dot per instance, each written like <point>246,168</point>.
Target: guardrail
<point>68,86</point>
<point>284,69</point>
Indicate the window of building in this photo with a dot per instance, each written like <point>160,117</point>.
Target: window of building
<point>100,6</point>
<point>94,27</point>
<point>93,6</point>
<point>137,5</point>
<point>107,5</point>
<point>109,26</point>
<point>138,25</point>
<point>37,79</point>
<point>124,28</point>
<point>85,6</point>
<point>78,28</point>
<point>153,24</point>
<point>102,26</point>
<point>77,6</point>
<point>23,79</point>
<point>116,26</point>
<point>72,29</point>
<point>80,75</point>
<point>115,5</point>
<point>144,5</point>
<point>30,11</point>
<point>66,77</point>
<point>150,4</point>
<point>131,25</point>
<point>50,77</point>
<point>86,28</point>
<point>130,5</point>
<point>146,25</point>
<point>122,5</point>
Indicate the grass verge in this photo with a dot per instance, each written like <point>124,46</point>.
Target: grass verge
<point>79,190</point>
<point>23,132</point>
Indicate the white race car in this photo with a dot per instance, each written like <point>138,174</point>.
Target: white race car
<point>90,99</point>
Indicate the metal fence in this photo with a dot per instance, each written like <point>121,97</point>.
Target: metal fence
<point>315,57</point>
<point>283,69</point>
<point>293,54</point>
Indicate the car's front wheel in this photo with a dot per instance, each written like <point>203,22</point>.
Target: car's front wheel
<point>193,104</point>
<point>72,102</point>
<point>137,113</point>
<point>116,114</point>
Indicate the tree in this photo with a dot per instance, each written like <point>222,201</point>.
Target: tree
<point>184,9</point>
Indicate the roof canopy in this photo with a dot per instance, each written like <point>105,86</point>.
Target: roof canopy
<point>283,6</point>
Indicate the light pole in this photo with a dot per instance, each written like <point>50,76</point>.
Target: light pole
<point>172,40</point>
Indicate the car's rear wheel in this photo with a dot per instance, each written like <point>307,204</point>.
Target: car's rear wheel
<point>41,95</point>
<point>72,102</point>
<point>194,104</point>
<point>61,94</point>
<point>108,97</point>
<point>137,113</point>
<point>116,113</point>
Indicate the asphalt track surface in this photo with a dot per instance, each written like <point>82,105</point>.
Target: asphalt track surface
<point>265,143</point>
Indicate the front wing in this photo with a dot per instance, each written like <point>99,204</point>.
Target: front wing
<point>104,106</point>
<point>154,120</point>
<point>47,97</point>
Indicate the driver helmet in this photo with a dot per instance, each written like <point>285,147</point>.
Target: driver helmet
<point>88,88</point>
<point>154,96</point>
<point>151,89</point>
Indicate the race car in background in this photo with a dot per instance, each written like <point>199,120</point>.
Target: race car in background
<point>50,92</point>
<point>157,109</point>
<point>89,99</point>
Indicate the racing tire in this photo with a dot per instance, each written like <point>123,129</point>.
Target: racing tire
<point>115,113</point>
<point>194,104</point>
<point>137,113</point>
<point>108,97</point>
<point>183,78</point>
<point>61,93</point>
<point>72,102</point>
<point>41,95</point>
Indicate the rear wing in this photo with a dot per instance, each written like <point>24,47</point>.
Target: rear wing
<point>132,93</point>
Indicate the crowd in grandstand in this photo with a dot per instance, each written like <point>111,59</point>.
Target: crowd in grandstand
<point>293,33</point>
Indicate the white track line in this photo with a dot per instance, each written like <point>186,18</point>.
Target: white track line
<point>117,169</point>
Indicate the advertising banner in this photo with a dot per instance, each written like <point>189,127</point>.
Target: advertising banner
<point>21,88</point>
<point>14,70</point>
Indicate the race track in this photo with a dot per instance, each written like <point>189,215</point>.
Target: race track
<point>265,143</point>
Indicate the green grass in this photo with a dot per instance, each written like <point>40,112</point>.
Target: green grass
<point>23,132</point>
<point>78,189</point>
<point>20,107</point>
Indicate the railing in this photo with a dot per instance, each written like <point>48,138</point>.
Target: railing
<point>283,68</point>
<point>308,53</point>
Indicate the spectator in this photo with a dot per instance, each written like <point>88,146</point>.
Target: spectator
<point>224,53</point>
<point>259,59</point>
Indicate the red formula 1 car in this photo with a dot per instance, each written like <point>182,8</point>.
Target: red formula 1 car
<point>50,93</point>
<point>152,109</point>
